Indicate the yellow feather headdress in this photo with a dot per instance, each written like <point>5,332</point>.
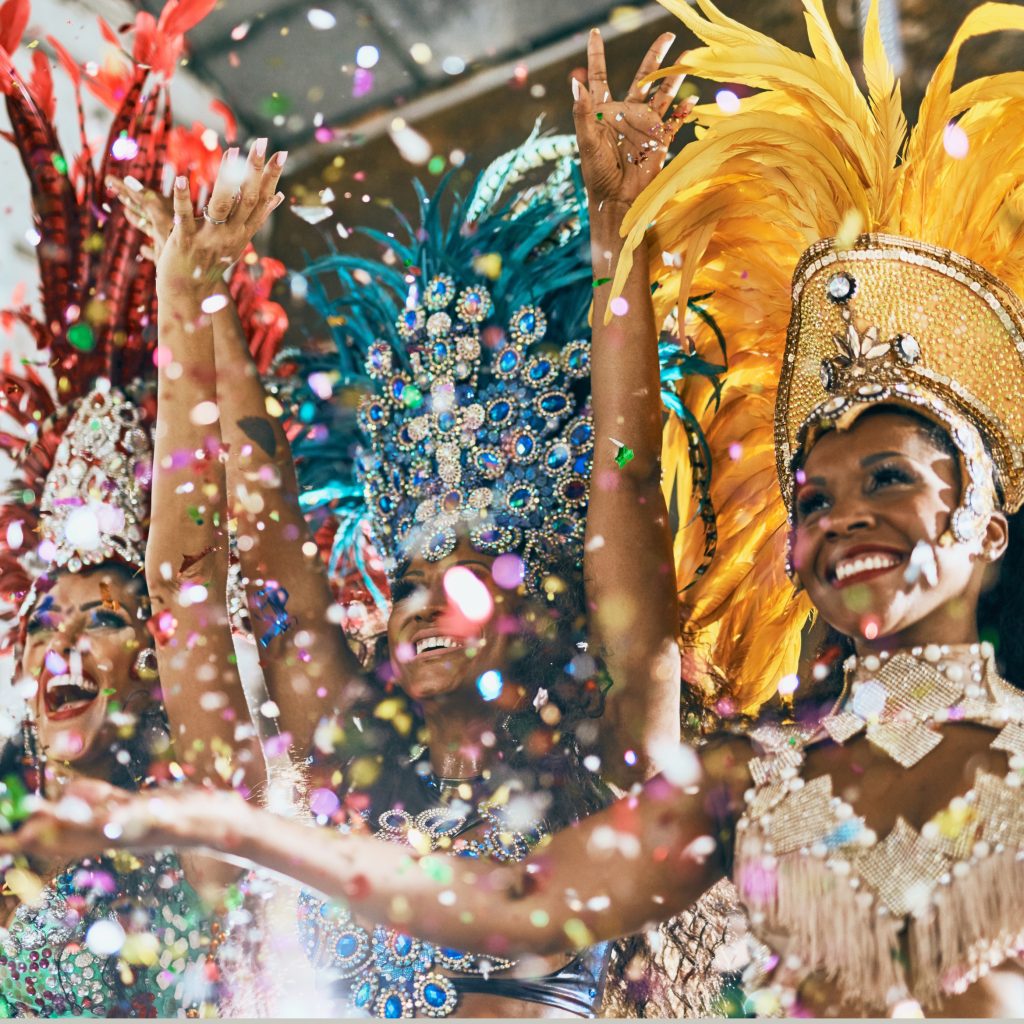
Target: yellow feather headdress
<point>810,158</point>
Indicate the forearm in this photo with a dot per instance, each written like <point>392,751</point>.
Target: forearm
<point>645,860</point>
<point>628,561</point>
<point>276,545</point>
<point>187,556</point>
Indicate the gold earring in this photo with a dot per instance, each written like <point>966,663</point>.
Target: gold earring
<point>145,664</point>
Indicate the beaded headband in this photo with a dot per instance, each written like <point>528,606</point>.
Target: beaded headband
<point>897,322</point>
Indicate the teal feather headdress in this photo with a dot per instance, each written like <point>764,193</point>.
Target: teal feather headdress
<point>471,340</point>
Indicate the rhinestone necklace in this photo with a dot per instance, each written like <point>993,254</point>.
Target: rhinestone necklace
<point>899,698</point>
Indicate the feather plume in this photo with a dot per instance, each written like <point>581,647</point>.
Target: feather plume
<point>736,209</point>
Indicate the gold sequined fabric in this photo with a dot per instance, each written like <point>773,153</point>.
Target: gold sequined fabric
<point>849,903</point>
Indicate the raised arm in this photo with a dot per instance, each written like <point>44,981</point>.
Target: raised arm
<point>186,553</point>
<point>309,669</point>
<point>641,860</point>
<point>630,575</point>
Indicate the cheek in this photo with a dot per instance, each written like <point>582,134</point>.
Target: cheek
<point>803,545</point>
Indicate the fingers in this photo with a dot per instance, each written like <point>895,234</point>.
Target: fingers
<point>666,93</point>
<point>184,214</point>
<point>597,70</point>
<point>225,188</point>
<point>651,62</point>
<point>249,192</point>
<point>269,198</point>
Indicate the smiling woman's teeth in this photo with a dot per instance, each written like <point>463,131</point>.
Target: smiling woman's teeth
<point>435,643</point>
<point>82,683</point>
<point>854,566</point>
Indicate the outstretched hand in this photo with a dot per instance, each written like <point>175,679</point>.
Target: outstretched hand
<point>623,144</point>
<point>198,250</point>
<point>93,816</point>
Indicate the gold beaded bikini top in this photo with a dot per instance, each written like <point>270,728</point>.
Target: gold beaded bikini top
<point>842,899</point>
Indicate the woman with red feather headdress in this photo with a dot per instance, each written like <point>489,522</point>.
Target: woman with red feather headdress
<point>73,537</point>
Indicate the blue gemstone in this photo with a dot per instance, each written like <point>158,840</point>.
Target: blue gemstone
<point>440,350</point>
<point>453,954</point>
<point>519,497</point>
<point>524,446</point>
<point>347,945</point>
<point>540,370</point>
<point>508,361</point>
<point>582,464</point>
<point>385,504</point>
<point>409,317</point>
<point>362,996</point>
<point>499,411</point>
<point>527,323</point>
<point>376,413</point>
<point>446,421</point>
<point>397,387</point>
<point>581,434</point>
<point>403,943</point>
<point>435,995</point>
<point>392,1007</point>
<point>553,403</point>
<point>558,457</point>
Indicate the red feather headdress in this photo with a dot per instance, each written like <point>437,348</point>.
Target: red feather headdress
<point>98,296</point>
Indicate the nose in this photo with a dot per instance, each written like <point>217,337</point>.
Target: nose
<point>841,522</point>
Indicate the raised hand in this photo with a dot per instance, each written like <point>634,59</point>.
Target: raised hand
<point>147,210</point>
<point>623,144</point>
<point>198,251</point>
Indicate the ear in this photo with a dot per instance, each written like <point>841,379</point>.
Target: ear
<point>997,537</point>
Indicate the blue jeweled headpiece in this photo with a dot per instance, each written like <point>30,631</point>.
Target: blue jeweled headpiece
<point>475,344</point>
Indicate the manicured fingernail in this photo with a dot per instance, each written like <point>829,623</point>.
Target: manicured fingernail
<point>181,182</point>
<point>595,31</point>
<point>577,89</point>
<point>232,153</point>
<point>134,184</point>
<point>260,148</point>
<point>281,157</point>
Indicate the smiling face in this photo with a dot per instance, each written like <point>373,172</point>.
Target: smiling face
<point>81,641</point>
<point>450,622</point>
<point>872,503</point>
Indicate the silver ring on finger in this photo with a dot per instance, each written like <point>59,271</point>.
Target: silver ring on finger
<point>213,220</point>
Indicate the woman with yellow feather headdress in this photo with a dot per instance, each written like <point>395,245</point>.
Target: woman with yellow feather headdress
<point>876,364</point>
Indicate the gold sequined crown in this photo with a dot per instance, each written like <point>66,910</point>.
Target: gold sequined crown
<point>894,321</point>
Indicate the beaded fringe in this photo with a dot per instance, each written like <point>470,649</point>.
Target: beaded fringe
<point>832,926</point>
<point>974,924</point>
<point>971,926</point>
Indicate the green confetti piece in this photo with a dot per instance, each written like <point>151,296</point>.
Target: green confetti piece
<point>276,104</point>
<point>80,336</point>
<point>577,932</point>
<point>600,117</point>
<point>13,805</point>
<point>598,281</point>
<point>195,515</point>
<point>437,870</point>
<point>436,165</point>
<point>624,455</point>
<point>60,163</point>
<point>412,397</point>
<point>539,918</point>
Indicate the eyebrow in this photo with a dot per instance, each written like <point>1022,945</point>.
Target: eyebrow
<point>59,609</point>
<point>865,463</point>
<point>463,561</point>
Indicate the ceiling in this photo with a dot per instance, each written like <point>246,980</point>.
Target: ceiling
<point>289,68</point>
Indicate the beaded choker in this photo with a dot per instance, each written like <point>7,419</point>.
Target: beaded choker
<point>898,698</point>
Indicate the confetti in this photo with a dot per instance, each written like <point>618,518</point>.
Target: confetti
<point>367,56</point>
<point>213,303</point>
<point>508,571</point>
<point>955,142</point>
<point>490,685</point>
<point>468,594</point>
<point>312,214</point>
<point>728,102</point>
<point>204,414</point>
<point>80,336</point>
<point>320,19</point>
<point>105,938</point>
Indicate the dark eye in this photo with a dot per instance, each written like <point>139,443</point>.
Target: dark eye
<point>402,590</point>
<point>809,503</point>
<point>886,476</point>
<point>42,622</point>
<point>107,620</point>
